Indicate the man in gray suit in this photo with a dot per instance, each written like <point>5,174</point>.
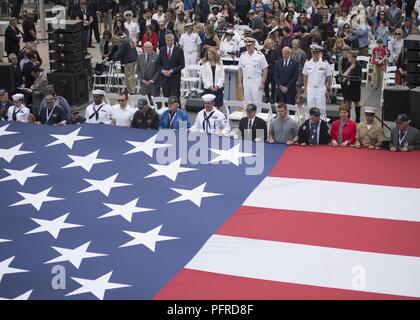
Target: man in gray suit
<point>148,71</point>
<point>404,137</point>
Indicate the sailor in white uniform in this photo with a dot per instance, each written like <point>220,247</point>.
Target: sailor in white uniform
<point>191,43</point>
<point>252,72</point>
<point>210,119</point>
<point>18,112</point>
<point>317,79</point>
<point>98,111</point>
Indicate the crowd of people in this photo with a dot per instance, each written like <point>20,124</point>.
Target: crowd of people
<point>289,49</point>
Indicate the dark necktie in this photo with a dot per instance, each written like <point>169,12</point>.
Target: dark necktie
<point>249,124</point>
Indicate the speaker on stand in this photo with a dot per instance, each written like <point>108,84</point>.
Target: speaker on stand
<point>67,60</point>
<point>396,101</point>
<point>412,60</point>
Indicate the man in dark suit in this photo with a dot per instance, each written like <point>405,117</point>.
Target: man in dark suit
<point>145,21</point>
<point>148,71</point>
<point>13,36</point>
<point>252,126</point>
<point>286,75</point>
<point>171,61</point>
<point>18,73</point>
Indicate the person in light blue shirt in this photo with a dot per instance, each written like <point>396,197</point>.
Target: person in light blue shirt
<point>174,117</point>
<point>382,32</point>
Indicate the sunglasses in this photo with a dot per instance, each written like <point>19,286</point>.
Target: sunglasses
<point>121,100</point>
<point>398,33</point>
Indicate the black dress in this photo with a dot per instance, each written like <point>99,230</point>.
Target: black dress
<point>218,101</point>
<point>352,88</point>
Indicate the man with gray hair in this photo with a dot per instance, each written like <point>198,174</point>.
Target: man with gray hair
<point>171,62</point>
<point>148,71</point>
<point>286,75</point>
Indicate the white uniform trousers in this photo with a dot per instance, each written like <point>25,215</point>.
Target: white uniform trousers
<point>316,97</point>
<point>252,93</point>
<point>190,58</point>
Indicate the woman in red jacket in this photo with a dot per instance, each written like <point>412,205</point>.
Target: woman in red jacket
<point>151,36</point>
<point>343,131</point>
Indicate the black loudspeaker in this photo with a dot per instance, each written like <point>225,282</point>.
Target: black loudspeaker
<point>194,105</point>
<point>67,56</point>
<point>412,55</point>
<point>396,101</point>
<point>72,86</point>
<point>413,67</point>
<point>414,113</point>
<point>412,42</point>
<point>413,79</point>
<point>65,37</point>
<point>67,66</point>
<point>7,78</point>
<point>63,47</point>
<point>65,26</point>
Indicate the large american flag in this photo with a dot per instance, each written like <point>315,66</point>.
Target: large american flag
<point>94,202</point>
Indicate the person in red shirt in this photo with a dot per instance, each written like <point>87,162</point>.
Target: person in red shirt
<point>379,63</point>
<point>150,36</point>
<point>343,130</point>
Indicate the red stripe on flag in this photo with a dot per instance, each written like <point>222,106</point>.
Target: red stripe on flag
<point>350,165</point>
<point>199,285</point>
<point>326,230</point>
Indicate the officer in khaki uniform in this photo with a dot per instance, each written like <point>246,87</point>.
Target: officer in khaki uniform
<point>370,133</point>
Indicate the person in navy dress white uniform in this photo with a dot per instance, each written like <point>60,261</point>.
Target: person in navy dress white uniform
<point>98,111</point>
<point>211,120</point>
<point>174,117</point>
<point>18,112</point>
<point>317,79</point>
<point>253,70</point>
<point>213,76</point>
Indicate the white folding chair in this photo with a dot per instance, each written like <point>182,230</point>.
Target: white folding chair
<point>266,116</point>
<point>112,98</point>
<point>323,110</point>
<point>335,86</point>
<point>365,70</point>
<point>236,109</point>
<point>161,100</point>
<point>296,116</point>
<point>191,78</point>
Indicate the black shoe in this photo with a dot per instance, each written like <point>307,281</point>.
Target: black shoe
<point>91,46</point>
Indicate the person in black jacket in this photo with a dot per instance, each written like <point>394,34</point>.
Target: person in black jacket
<point>145,21</point>
<point>13,36</point>
<point>18,73</point>
<point>314,130</point>
<point>28,26</point>
<point>15,8</point>
<point>171,61</point>
<point>94,26</point>
<point>252,126</point>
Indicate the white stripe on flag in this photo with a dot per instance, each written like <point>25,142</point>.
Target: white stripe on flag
<point>337,198</point>
<point>309,265</point>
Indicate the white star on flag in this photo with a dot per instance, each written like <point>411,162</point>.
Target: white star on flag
<point>75,256</point>
<point>86,162</point>
<point>22,175</point>
<point>24,296</point>
<point>9,154</point>
<point>170,171</point>
<point>35,199</point>
<point>68,139</point>
<point>53,227</point>
<point>147,239</point>
<point>147,146</point>
<point>97,286</point>
<point>126,211</point>
<point>4,240</point>
<point>104,186</point>
<point>195,195</point>
<point>3,131</point>
<point>5,269</point>
<point>232,155</point>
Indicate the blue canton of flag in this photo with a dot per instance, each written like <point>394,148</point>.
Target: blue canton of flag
<point>88,212</point>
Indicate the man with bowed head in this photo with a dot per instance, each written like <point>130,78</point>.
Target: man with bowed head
<point>174,117</point>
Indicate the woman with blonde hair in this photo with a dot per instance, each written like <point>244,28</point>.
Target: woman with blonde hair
<point>213,75</point>
<point>211,40</point>
<point>270,56</point>
<point>337,49</point>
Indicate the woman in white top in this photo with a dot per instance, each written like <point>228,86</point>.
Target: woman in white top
<point>213,75</point>
<point>395,46</point>
<point>18,112</point>
<point>229,47</point>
